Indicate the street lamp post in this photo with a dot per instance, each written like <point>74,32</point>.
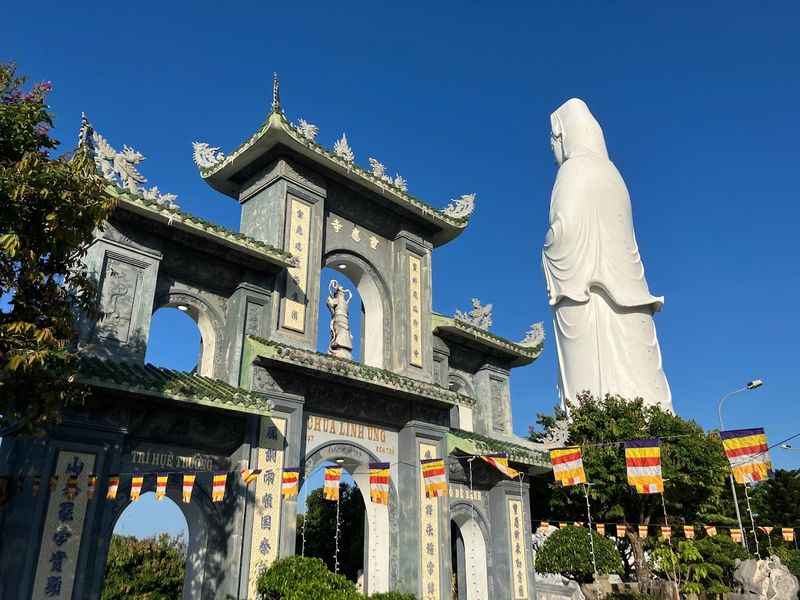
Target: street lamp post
<point>751,385</point>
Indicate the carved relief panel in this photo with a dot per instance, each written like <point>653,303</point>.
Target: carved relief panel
<point>298,240</point>
<point>122,279</point>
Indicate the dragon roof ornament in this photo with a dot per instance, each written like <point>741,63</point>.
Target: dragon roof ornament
<point>343,150</point>
<point>206,156</point>
<point>479,316</point>
<point>306,129</point>
<point>534,336</point>
<point>461,207</point>
<point>120,167</point>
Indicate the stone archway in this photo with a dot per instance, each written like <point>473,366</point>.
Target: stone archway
<point>374,294</point>
<point>208,322</point>
<point>471,558</point>
<point>380,554</point>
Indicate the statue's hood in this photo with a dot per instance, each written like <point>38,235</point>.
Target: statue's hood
<point>579,131</point>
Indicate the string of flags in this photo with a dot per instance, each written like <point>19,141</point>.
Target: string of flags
<point>619,530</point>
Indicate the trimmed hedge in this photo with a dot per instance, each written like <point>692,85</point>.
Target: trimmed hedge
<point>567,551</point>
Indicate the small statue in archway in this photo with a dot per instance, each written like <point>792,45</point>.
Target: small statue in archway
<point>338,303</point>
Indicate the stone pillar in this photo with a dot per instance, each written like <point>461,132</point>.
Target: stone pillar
<point>512,575</point>
<point>248,313</point>
<point>492,415</point>
<point>126,276</point>
<point>424,536</point>
<point>413,354</point>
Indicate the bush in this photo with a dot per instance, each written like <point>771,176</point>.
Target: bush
<point>790,558</point>
<point>567,552</point>
<point>148,568</point>
<point>722,551</point>
<point>300,578</point>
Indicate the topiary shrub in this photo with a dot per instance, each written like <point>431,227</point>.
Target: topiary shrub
<point>300,578</point>
<point>568,553</point>
<point>392,596</point>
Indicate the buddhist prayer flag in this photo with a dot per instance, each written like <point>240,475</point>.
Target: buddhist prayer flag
<point>161,486</point>
<point>578,524</point>
<point>748,454</point>
<point>711,530</point>
<point>643,459</point>
<point>666,532</point>
<point>567,466</point>
<point>250,475</point>
<point>379,482</point>
<point>72,487</point>
<point>188,486</point>
<point>688,531</point>
<point>113,486</point>
<point>330,491</point>
<point>136,487</point>
<point>433,476</point>
<point>562,525</point>
<point>788,534</point>
<point>290,482</point>
<point>53,482</point>
<point>500,462</point>
<point>765,530</point>
<point>601,529</point>
<point>621,531</point>
<point>642,531</point>
<point>218,488</point>
<point>92,485</point>
<point>736,535</point>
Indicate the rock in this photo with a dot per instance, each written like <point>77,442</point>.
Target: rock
<point>766,579</point>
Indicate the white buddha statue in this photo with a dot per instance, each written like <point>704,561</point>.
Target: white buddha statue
<point>602,308</point>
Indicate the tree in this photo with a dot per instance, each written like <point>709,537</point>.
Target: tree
<point>777,500</point>
<point>319,522</point>
<point>567,551</point>
<point>49,210</point>
<point>693,463</point>
<point>147,569</point>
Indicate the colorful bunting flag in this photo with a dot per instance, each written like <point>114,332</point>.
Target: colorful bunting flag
<point>330,491</point>
<point>434,477</point>
<point>161,486</point>
<point>748,454</point>
<point>736,535</point>
<point>710,530</point>
<point>290,482</point>
<point>578,524</point>
<point>642,531</point>
<point>643,459</point>
<point>621,530</point>
<point>136,487</point>
<point>218,488</point>
<point>788,534</point>
<point>53,483</point>
<point>72,487</point>
<point>765,530</point>
<point>36,483</point>
<point>562,525</point>
<point>188,486</point>
<point>601,529</point>
<point>113,486</point>
<point>379,482</point>
<point>666,532</point>
<point>567,466</point>
<point>92,486</point>
<point>500,462</point>
<point>688,532</point>
<point>249,475</point>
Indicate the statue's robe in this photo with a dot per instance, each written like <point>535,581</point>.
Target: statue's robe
<point>603,310</point>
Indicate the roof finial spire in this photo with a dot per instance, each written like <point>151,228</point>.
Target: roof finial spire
<point>276,94</point>
<point>85,132</point>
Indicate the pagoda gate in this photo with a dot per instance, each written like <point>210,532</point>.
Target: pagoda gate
<point>262,397</point>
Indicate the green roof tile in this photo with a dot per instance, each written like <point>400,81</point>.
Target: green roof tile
<point>473,443</point>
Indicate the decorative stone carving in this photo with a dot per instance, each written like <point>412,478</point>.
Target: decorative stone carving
<point>400,182</point>
<point>206,156</point>
<point>307,130</point>
<point>498,405</point>
<point>534,337</point>
<point>120,167</point>
<point>766,579</point>
<point>596,285</point>
<point>120,284</point>
<point>479,316</point>
<point>276,94</point>
<point>338,303</point>
<point>342,149</point>
<point>379,170</point>
<point>461,207</point>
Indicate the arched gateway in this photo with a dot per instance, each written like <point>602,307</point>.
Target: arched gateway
<point>264,400</point>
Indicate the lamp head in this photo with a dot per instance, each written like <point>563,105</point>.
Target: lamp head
<point>756,383</point>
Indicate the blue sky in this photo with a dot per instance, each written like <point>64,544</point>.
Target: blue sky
<point>698,105</point>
